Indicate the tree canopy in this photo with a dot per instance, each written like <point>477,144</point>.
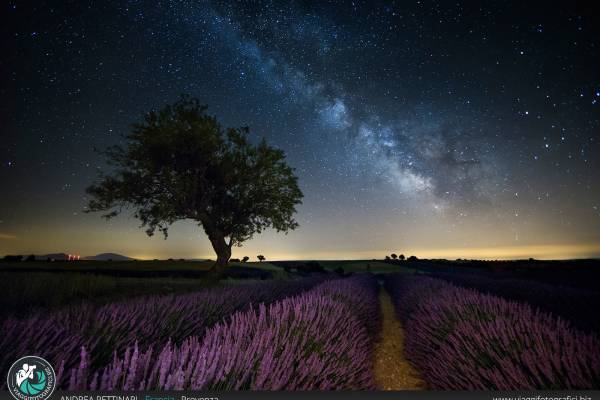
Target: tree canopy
<point>180,163</point>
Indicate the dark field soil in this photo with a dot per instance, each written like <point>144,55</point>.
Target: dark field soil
<point>392,370</point>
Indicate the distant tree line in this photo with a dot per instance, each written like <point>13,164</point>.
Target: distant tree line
<point>18,258</point>
<point>400,257</point>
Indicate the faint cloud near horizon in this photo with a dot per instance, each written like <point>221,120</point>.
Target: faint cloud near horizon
<point>7,236</point>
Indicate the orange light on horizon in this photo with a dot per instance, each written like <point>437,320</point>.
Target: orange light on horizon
<point>540,252</point>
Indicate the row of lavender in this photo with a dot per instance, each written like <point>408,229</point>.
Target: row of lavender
<point>321,339</point>
<point>568,303</point>
<point>157,320</point>
<point>460,338</point>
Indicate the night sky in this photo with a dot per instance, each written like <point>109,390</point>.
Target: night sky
<point>438,129</point>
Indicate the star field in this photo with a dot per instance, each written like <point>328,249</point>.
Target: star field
<point>443,129</point>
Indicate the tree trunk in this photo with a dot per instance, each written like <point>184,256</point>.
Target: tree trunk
<point>223,253</point>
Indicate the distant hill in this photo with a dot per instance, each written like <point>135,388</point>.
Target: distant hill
<point>108,256</point>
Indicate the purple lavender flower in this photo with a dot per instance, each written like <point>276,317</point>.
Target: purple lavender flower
<point>463,339</point>
<point>316,340</point>
<point>150,320</point>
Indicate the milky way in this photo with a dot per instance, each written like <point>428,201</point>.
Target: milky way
<point>420,158</point>
<point>436,128</point>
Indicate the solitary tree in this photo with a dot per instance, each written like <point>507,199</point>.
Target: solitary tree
<point>260,257</point>
<point>394,256</point>
<point>180,163</point>
<point>245,259</point>
<point>401,257</point>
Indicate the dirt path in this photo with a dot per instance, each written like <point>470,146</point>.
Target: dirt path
<point>392,371</point>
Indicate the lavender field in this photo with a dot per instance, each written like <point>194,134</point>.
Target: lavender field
<point>315,333</point>
<point>460,338</point>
